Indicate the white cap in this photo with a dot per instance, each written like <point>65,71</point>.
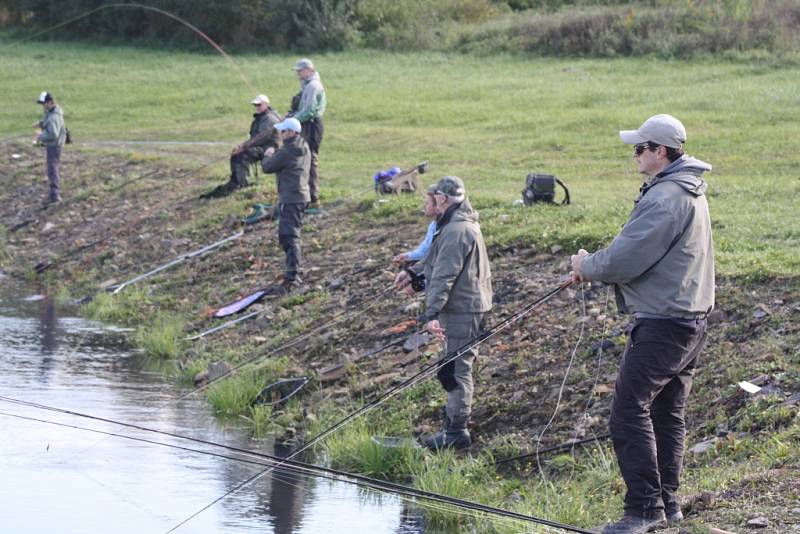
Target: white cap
<point>260,99</point>
<point>659,129</point>
<point>289,124</point>
<point>44,97</point>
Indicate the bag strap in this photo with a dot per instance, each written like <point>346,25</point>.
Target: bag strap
<point>566,192</point>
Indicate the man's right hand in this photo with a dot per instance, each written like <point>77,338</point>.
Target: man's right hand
<point>401,258</point>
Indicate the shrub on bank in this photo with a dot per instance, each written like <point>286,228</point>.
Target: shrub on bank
<point>668,30</point>
<point>545,27</point>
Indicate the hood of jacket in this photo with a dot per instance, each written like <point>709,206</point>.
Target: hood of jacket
<point>457,212</point>
<point>687,172</point>
<point>313,77</point>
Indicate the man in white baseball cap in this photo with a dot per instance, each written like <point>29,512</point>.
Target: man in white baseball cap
<point>264,140</point>
<point>290,164</point>
<point>52,135</point>
<point>662,267</point>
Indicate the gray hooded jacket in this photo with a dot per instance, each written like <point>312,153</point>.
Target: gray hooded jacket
<point>54,133</point>
<point>457,273</point>
<point>662,262</point>
<point>290,164</point>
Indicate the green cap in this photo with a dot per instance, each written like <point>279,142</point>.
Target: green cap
<point>452,186</point>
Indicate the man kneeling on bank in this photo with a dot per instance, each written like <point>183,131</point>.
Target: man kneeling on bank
<point>458,293</point>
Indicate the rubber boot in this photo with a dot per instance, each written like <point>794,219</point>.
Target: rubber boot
<point>454,436</point>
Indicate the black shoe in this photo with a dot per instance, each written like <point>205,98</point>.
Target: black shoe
<point>674,517</point>
<point>448,439</point>
<point>630,524</point>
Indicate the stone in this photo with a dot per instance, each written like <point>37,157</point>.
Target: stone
<point>703,446</point>
<point>416,341</point>
<point>218,369</point>
<point>716,317</point>
<point>604,345</point>
<point>414,307</point>
<point>336,283</point>
<point>555,249</point>
<point>758,522</point>
<point>200,377</point>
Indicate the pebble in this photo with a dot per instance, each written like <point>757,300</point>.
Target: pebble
<point>703,446</point>
<point>758,522</point>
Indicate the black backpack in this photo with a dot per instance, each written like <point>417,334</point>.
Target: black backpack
<point>542,188</point>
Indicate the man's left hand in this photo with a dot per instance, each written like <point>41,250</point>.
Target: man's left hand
<point>435,328</point>
<point>577,263</point>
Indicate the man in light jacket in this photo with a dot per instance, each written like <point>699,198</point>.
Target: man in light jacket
<point>308,106</point>
<point>662,268</point>
<point>290,164</point>
<point>53,136</point>
<point>458,293</point>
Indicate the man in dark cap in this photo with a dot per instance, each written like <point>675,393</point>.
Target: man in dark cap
<point>458,293</point>
<point>53,135</point>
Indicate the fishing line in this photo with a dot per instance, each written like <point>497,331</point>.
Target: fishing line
<point>589,399</point>
<point>148,8</point>
<point>421,375</point>
<point>287,463</point>
<point>563,384</point>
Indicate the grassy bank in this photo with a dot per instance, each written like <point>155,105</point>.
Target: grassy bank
<point>490,120</point>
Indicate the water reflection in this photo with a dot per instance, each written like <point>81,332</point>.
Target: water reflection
<point>71,481</point>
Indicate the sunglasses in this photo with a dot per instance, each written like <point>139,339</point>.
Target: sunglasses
<point>639,149</point>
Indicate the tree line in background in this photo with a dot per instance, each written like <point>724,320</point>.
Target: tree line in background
<point>669,28</point>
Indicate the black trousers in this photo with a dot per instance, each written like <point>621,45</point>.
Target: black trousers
<point>240,165</point>
<point>312,132</point>
<point>289,224</point>
<point>647,414</point>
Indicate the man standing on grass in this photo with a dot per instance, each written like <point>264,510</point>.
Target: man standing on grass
<point>458,293</point>
<point>662,268</point>
<point>290,165</point>
<point>308,106</point>
<point>263,141</point>
<point>53,136</point>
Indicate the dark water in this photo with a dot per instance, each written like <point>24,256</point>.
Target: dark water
<point>64,480</point>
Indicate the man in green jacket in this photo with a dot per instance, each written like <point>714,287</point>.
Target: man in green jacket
<point>53,136</point>
<point>290,164</point>
<point>662,268</point>
<point>308,106</point>
<point>458,293</point>
<point>263,141</point>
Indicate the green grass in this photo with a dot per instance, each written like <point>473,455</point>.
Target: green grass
<point>162,337</point>
<point>488,120</point>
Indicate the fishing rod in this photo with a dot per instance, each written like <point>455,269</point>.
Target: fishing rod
<point>292,342</point>
<point>302,467</point>
<point>554,448</point>
<point>147,8</point>
<point>413,380</point>
<point>41,267</point>
<point>176,261</point>
<point>233,322</point>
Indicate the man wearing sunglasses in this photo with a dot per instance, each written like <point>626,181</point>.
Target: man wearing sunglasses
<point>662,268</point>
